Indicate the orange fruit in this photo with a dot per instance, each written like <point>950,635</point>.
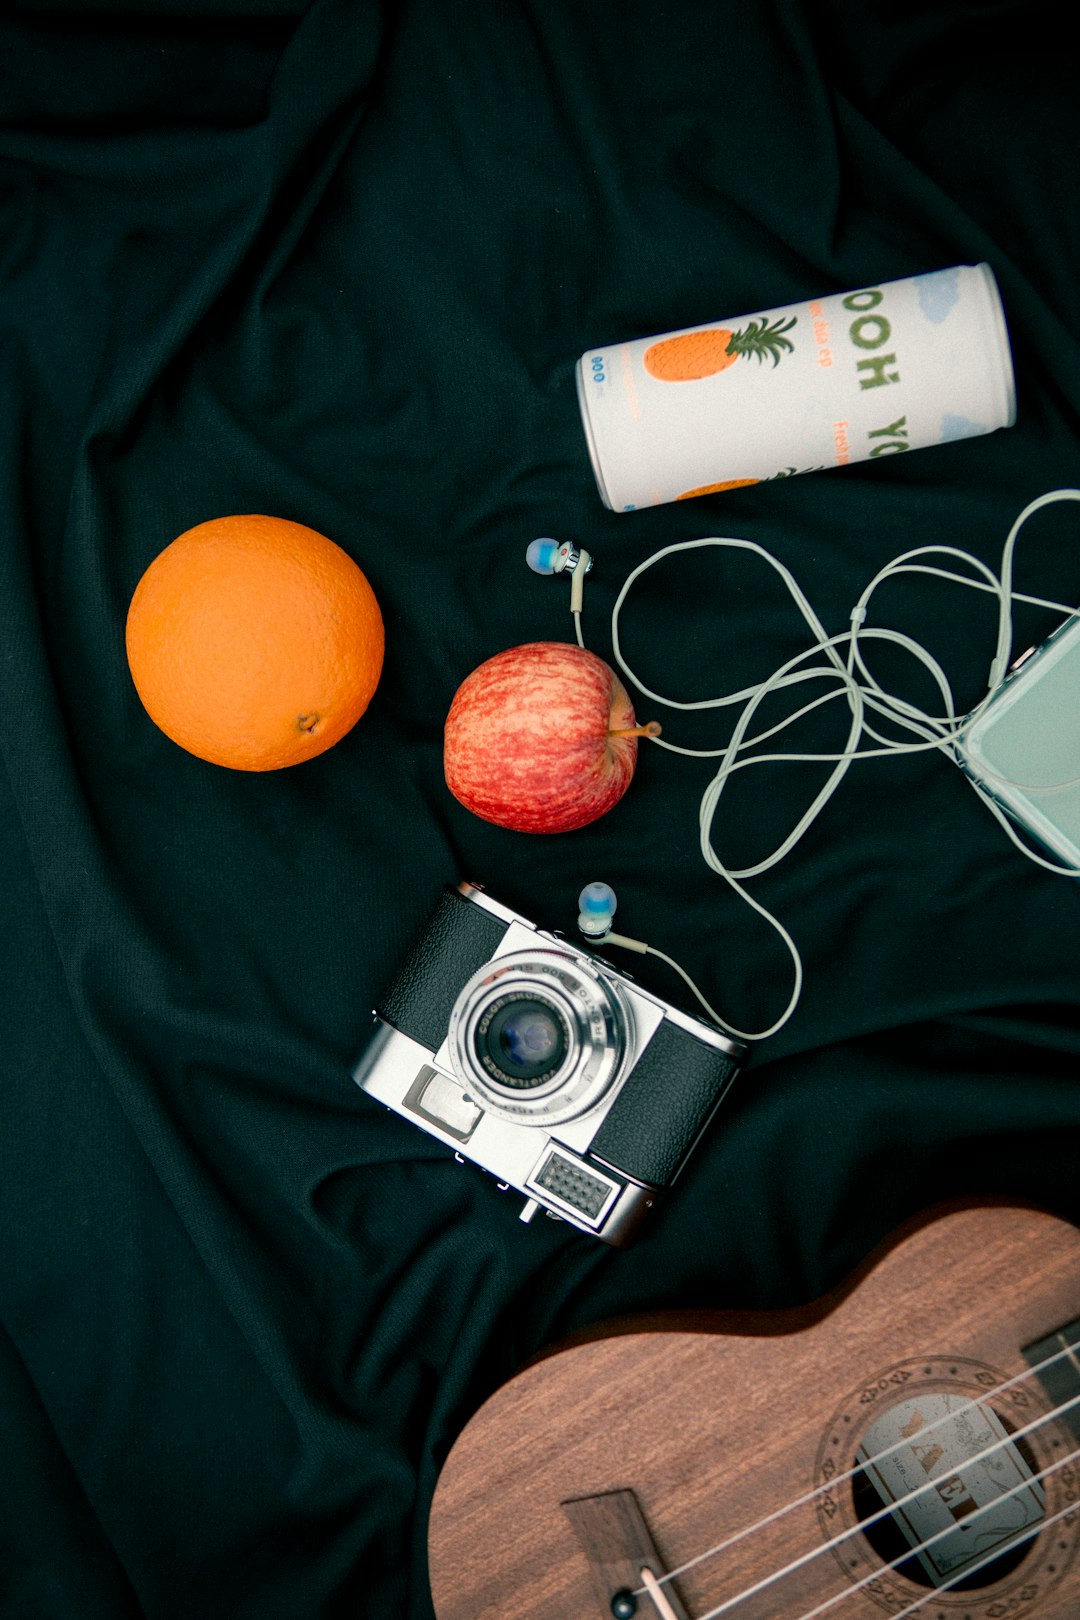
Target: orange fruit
<point>254,642</point>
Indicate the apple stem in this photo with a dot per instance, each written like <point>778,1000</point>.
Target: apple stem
<point>651,729</point>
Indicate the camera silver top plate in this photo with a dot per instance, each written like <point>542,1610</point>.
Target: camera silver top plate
<point>710,1034</point>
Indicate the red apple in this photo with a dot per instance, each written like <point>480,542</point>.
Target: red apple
<point>541,738</point>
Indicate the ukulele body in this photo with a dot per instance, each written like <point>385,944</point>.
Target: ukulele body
<point>718,1421</point>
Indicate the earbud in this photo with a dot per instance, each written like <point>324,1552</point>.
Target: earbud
<point>545,556</point>
<point>542,556</point>
<point>596,909</point>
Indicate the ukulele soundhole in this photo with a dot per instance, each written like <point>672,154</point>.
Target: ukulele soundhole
<point>918,1538</point>
<point>931,1488</point>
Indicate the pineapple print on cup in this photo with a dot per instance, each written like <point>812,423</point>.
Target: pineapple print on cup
<point>859,376</point>
<point>743,483</point>
<point>693,355</point>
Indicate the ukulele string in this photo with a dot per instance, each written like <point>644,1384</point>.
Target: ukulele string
<point>811,1496</point>
<point>973,1569</point>
<point>933,1592</point>
<point>776,1576</point>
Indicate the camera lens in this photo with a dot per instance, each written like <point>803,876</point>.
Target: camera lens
<point>537,1036</point>
<point>522,1040</point>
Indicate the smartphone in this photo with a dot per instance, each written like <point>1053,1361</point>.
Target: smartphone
<point>1023,750</point>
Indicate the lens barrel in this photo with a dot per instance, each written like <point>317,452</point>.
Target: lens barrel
<point>538,1036</point>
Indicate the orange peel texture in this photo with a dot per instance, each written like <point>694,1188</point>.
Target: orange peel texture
<point>254,642</point>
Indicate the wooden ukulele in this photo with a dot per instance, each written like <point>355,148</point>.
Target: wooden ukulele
<point>908,1445</point>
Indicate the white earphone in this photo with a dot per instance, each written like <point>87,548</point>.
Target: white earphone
<point>546,556</point>
<point>845,670</point>
<point>596,908</point>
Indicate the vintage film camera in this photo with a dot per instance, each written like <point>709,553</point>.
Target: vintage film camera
<point>544,1065</point>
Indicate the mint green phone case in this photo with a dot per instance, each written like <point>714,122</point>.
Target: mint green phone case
<point>1023,751</point>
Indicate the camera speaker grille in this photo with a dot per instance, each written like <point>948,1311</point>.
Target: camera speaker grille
<point>573,1185</point>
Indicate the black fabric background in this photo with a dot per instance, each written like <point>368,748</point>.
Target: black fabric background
<point>336,262</point>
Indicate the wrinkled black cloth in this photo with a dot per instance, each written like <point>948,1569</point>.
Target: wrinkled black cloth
<point>336,263</point>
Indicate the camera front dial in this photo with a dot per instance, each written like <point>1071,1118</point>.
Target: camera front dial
<point>538,1036</point>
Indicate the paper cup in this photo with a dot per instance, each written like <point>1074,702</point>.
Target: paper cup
<point>848,377</point>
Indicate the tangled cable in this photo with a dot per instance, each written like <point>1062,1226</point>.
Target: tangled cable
<point>845,669</point>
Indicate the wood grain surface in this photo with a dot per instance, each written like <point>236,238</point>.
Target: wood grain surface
<point>719,1423</point>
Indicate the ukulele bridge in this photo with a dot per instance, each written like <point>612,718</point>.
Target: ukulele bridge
<point>627,1571</point>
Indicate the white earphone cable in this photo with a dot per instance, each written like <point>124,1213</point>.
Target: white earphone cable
<point>863,692</point>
